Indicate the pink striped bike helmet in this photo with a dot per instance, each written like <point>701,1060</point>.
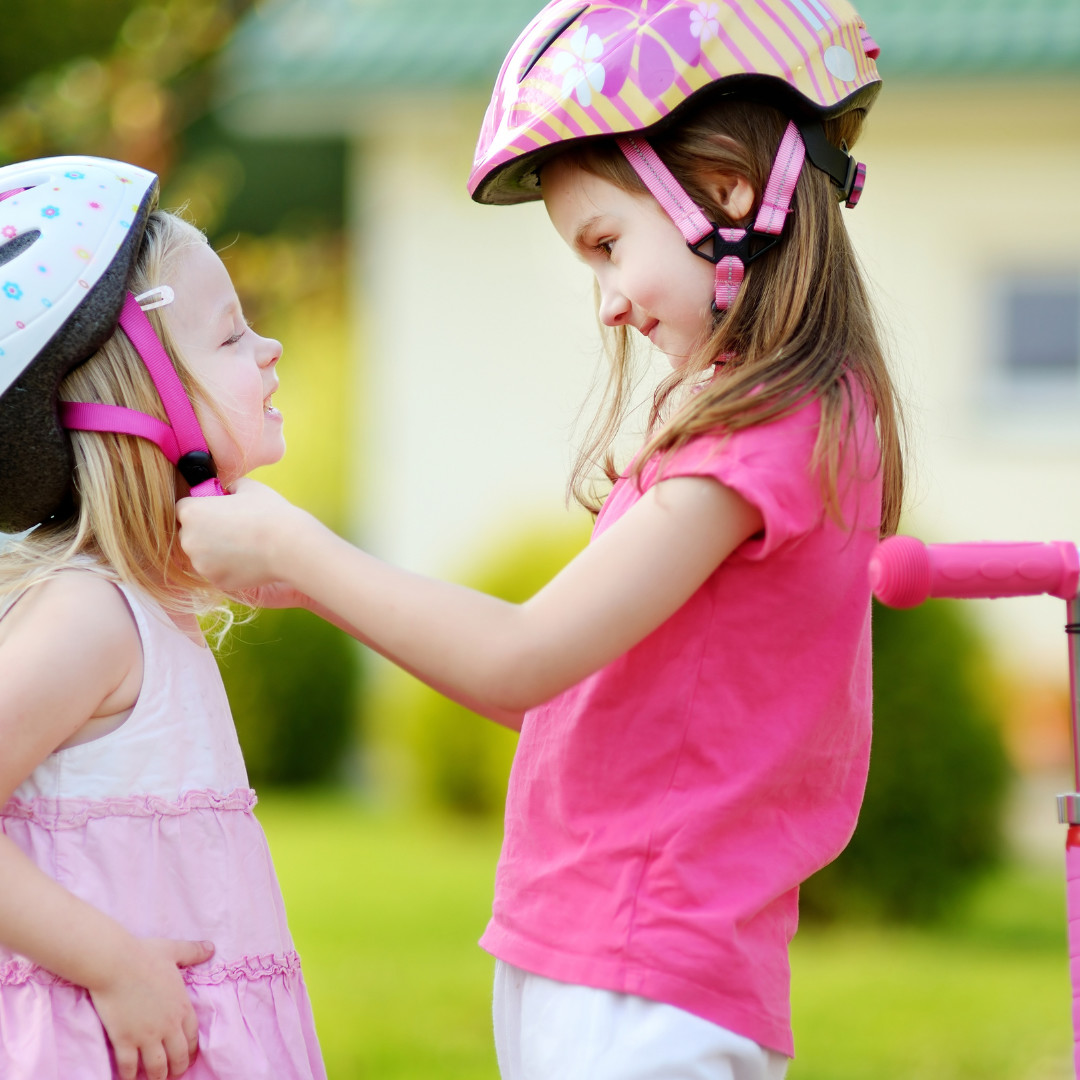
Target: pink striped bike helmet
<point>70,230</point>
<point>621,68</point>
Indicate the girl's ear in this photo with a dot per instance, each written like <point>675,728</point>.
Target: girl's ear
<point>733,193</point>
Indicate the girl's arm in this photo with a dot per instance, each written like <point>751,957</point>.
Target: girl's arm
<point>507,717</point>
<point>506,657</point>
<point>280,595</point>
<point>68,650</point>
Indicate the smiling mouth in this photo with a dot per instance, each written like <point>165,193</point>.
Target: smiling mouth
<point>648,328</point>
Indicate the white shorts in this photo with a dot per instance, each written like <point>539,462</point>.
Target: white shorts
<point>547,1030</point>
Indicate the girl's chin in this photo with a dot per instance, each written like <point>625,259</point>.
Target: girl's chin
<point>229,473</point>
<point>273,456</point>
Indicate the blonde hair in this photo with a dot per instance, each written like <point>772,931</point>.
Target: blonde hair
<point>801,328</point>
<point>124,488</point>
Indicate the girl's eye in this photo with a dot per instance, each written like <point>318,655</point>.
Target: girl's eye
<point>236,337</point>
<point>604,247</point>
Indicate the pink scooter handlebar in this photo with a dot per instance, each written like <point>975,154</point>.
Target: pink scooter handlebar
<point>904,571</point>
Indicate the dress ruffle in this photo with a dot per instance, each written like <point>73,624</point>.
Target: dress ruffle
<point>17,971</point>
<point>75,813</point>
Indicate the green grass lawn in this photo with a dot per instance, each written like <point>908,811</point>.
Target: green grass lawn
<point>386,911</point>
<point>985,997</point>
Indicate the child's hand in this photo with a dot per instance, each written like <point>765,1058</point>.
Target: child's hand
<point>276,594</point>
<point>230,540</point>
<point>146,1010</point>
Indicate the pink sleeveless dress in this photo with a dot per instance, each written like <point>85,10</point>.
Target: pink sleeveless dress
<point>153,825</point>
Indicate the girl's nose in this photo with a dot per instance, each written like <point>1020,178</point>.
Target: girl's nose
<point>614,307</point>
<point>270,352</point>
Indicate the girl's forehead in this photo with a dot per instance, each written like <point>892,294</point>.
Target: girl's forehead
<point>199,277</point>
<point>569,186</point>
<point>574,196</point>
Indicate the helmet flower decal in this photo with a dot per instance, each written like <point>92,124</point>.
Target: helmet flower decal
<point>9,231</point>
<point>644,48</point>
<point>50,212</point>
<point>12,290</point>
<point>705,22</point>
<point>577,65</point>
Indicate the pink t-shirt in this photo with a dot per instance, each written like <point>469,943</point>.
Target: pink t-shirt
<point>662,813</point>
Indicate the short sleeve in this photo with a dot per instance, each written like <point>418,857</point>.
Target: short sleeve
<point>769,465</point>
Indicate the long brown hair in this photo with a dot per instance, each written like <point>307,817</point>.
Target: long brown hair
<point>801,328</point>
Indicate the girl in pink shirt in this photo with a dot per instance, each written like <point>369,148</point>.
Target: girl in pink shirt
<point>692,691</point>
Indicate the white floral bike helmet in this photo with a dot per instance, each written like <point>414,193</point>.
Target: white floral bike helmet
<point>621,68</point>
<point>70,230</point>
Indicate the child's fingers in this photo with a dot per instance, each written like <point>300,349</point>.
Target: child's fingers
<point>155,1062</point>
<point>190,1027</point>
<point>189,953</point>
<point>178,1052</point>
<point>127,1060</point>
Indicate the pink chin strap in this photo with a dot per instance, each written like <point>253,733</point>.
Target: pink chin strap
<point>731,248</point>
<point>181,440</point>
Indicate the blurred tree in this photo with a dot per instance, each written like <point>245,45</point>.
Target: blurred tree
<point>290,678</point>
<point>117,78</point>
<point>39,37</point>
<point>134,80</point>
<point>259,187</point>
<point>931,823</point>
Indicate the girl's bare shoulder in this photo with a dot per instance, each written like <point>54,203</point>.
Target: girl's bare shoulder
<point>70,656</point>
<point>74,609</point>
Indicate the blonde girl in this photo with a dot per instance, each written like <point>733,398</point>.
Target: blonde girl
<point>693,691</point>
<point>141,927</point>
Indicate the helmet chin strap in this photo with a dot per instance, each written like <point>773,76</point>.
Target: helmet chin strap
<point>732,250</point>
<point>181,440</point>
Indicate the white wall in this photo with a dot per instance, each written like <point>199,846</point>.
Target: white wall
<point>480,341</point>
<point>965,182</point>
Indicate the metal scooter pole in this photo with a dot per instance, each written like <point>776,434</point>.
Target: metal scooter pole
<point>1069,814</point>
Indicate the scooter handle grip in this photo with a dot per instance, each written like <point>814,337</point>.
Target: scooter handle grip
<point>904,571</point>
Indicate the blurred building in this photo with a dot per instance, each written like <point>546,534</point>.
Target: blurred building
<point>477,329</point>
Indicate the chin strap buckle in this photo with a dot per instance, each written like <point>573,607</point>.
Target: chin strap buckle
<point>196,467</point>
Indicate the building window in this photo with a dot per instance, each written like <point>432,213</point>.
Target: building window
<point>1039,319</point>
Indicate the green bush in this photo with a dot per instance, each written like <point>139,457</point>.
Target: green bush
<point>464,760</point>
<point>931,821</point>
<point>291,680</point>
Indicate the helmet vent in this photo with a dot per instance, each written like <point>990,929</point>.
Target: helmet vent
<point>16,247</point>
<point>549,40</point>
